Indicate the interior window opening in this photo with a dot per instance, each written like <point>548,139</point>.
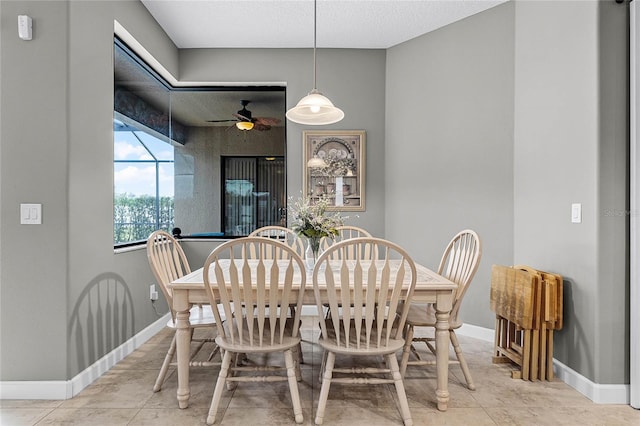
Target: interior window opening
<point>177,152</point>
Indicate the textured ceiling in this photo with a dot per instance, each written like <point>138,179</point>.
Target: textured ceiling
<point>365,24</point>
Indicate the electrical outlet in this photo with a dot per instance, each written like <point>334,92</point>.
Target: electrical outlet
<point>153,294</point>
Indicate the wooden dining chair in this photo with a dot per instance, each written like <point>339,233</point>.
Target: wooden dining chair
<point>371,326</point>
<point>282,234</point>
<point>285,236</point>
<point>254,296</point>
<point>459,264</point>
<point>346,232</point>
<point>168,262</point>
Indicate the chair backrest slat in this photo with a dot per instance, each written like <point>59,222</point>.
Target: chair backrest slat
<point>256,291</point>
<point>459,264</point>
<point>365,312</point>
<point>167,261</point>
<point>277,233</point>
<point>347,232</point>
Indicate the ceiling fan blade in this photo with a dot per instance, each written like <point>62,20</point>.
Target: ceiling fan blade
<point>221,121</point>
<point>261,127</point>
<point>267,121</point>
<point>241,117</point>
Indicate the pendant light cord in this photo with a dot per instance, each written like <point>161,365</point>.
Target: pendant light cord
<point>315,109</point>
<point>314,44</point>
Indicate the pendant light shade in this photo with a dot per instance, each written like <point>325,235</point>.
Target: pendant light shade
<point>315,109</point>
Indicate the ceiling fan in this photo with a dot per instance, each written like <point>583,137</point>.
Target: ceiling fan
<point>245,121</point>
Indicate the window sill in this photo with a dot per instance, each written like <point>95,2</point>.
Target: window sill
<point>127,249</point>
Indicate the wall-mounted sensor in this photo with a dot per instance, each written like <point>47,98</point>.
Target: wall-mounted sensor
<point>24,27</point>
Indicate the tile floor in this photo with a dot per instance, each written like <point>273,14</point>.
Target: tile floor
<point>124,396</point>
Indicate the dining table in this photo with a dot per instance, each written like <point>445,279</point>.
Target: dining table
<point>430,288</point>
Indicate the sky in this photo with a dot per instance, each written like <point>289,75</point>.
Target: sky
<point>140,178</point>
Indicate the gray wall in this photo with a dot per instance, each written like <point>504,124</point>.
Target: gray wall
<point>516,123</point>
<point>449,144</point>
<point>56,100</point>
<point>34,141</point>
<point>570,147</point>
<point>354,80</point>
<point>501,117</point>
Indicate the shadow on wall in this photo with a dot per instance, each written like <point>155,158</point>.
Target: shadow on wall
<point>570,342</point>
<point>102,320</point>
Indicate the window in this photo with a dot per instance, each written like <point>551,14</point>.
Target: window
<point>142,184</point>
<point>178,156</point>
<point>142,151</point>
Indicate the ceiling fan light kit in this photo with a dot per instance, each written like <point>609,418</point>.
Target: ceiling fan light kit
<point>315,109</point>
<point>244,125</point>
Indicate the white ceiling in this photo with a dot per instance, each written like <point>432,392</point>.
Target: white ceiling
<point>358,24</point>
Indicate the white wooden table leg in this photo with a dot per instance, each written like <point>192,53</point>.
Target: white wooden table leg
<point>183,343</point>
<point>443,309</point>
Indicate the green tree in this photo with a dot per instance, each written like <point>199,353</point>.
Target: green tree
<point>134,217</point>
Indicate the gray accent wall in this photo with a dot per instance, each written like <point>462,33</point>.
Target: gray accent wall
<point>449,145</point>
<point>497,123</point>
<point>570,146</point>
<point>354,80</point>
<point>34,144</point>
<point>66,299</point>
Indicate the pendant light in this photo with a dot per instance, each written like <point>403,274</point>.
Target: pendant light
<point>315,109</point>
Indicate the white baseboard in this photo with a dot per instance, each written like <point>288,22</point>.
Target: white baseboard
<point>480,333</point>
<point>66,389</point>
<point>598,393</point>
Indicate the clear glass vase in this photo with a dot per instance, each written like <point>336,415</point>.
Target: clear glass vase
<point>312,252</point>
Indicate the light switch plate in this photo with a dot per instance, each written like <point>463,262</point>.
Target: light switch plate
<point>25,27</point>
<point>576,213</point>
<point>30,214</point>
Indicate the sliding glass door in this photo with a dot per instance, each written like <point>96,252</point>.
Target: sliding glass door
<point>254,194</point>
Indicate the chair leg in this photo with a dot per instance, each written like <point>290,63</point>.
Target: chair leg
<point>293,385</point>
<point>392,362</point>
<point>322,365</point>
<point>324,390</point>
<point>213,353</point>
<point>165,365</point>
<point>461,360</point>
<point>300,358</point>
<point>292,312</point>
<point>220,384</point>
<point>237,360</point>
<point>297,360</point>
<point>408,338</point>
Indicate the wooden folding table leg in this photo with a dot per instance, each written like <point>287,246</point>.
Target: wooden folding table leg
<point>550,354</point>
<point>497,343</point>
<point>526,353</point>
<point>535,336</point>
<point>542,370</point>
